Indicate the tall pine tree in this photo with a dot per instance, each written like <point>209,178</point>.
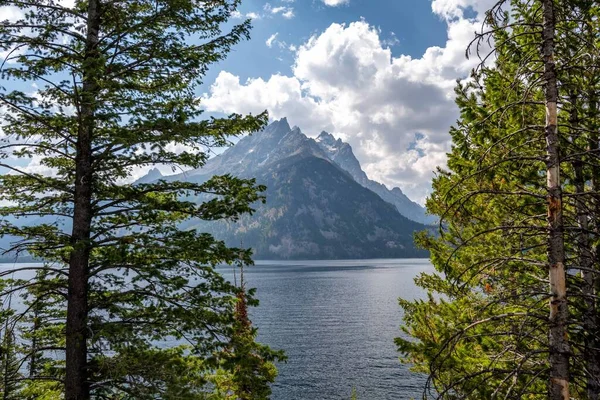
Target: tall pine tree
<point>519,219</point>
<point>93,92</point>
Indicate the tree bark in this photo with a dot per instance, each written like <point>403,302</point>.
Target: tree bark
<point>591,280</point>
<point>558,343</point>
<point>591,277</point>
<point>76,380</point>
<point>586,263</point>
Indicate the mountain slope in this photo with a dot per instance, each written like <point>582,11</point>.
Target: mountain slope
<point>341,153</point>
<point>314,208</point>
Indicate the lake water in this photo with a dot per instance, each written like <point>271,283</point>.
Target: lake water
<point>337,321</point>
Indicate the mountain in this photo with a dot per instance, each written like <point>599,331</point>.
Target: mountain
<point>314,208</point>
<point>320,204</point>
<point>153,175</point>
<point>341,153</point>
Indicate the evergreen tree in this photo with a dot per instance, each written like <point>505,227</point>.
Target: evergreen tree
<point>10,376</point>
<point>518,216</point>
<point>121,281</point>
<point>252,365</point>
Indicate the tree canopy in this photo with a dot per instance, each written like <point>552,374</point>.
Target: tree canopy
<point>513,309</point>
<point>126,304</point>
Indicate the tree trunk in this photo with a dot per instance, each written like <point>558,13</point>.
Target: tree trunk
<point>558,343</point>
<point>590,315</point>
<point>76,382</point>
<point>35,329</point>
<point>586,263</point>
<point>591,280</point>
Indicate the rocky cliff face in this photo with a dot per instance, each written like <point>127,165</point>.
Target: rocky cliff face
<point>316,207</point>
<point>341,153</point>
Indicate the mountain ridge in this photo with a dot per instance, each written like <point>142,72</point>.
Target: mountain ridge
<point>342,154</point>
<point>315,209</point>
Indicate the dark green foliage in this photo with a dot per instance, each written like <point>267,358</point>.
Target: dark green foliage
<point>251,362</point>
<point>483,331</point>
<point>9,363</point>
<point>157,316</point>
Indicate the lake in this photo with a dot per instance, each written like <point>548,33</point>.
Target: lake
<point>337,321</point>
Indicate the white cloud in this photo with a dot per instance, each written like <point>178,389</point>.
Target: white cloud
<point>271,39</point>
<point>10,13</point>
<point>67,3</point>
<point>238,15</point>
<point>395,111</point>
<point>281,44</point>
<point>335,3</point>
<point>452,9</point>
<point>269,11</point>
<point>285,11</point>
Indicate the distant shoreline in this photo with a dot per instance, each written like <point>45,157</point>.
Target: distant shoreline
<point>29,260</point>
<point>338,259</point>
<point>20,260</point>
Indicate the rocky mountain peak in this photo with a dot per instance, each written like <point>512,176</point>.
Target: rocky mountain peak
<point>327,140</point>
<point>341,153</point>
<point>154,173</point>
<point>281,126</point>
<point>278,142</point>
<point>325,137</point>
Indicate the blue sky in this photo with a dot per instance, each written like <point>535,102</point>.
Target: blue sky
<point>409,25</point>
<point>379,74</point>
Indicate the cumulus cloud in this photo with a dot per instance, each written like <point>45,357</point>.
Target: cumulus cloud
<point>453,9</point>
<point>335,3</point>
<point>395,111</point>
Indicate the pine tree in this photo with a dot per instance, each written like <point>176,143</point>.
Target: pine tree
<point>517,206</point>
<point>115,92</point>
<point>10,376</point>
<point>251,362</point>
